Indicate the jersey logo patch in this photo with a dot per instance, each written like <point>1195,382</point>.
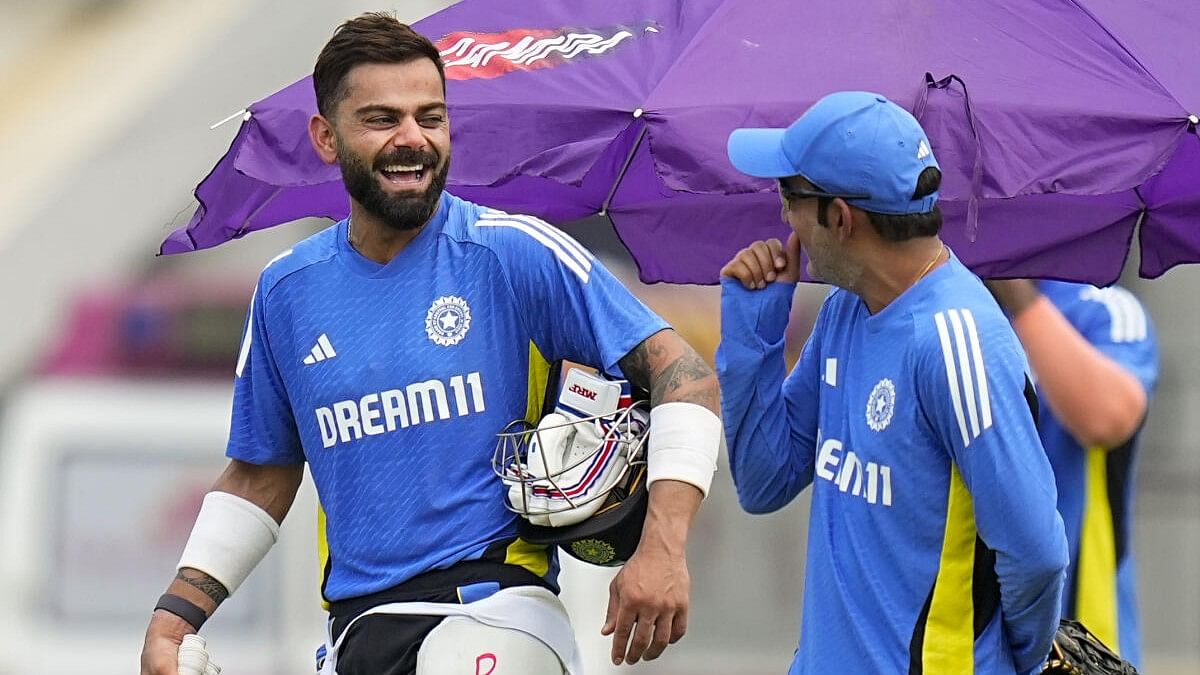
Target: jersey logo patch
<point>320,351</point>
<point>447,321</point>
<point>880,405</point>
<point>830,374</point>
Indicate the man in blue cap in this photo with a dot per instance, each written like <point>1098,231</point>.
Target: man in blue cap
<point>934,544</point>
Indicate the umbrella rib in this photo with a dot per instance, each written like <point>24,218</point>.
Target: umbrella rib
<point>637,143</point>
<point>716,12</point>
<point>244,228</point>
<point>243,113</point>
<point>1128,52</point>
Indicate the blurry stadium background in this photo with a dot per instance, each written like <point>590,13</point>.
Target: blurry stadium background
<point>115,365</point>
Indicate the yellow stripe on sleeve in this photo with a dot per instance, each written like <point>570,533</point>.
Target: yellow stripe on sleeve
<point>539,375</point>
<point>322,553</point>
<point>1096,586</point>
<point>949,645</point>
<point>533,557</point>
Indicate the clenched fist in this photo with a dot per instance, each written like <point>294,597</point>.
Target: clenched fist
<point>765,262</point>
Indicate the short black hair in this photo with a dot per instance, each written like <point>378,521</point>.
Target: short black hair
<point>374,37</point>
<point>899,228</point>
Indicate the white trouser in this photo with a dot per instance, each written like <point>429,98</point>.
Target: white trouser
<point>534,613</point>
<point>460,644</point>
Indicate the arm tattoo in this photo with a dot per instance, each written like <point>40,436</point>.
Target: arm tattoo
<point>683,371</point>
<point>636,366</point>
<point>681,379</point>
<point>205,584</point>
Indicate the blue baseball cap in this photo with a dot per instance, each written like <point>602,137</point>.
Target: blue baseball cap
<point>849,142</point>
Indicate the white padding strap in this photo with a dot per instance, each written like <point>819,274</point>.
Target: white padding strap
<point>684,439</point>
<point>229,539</point>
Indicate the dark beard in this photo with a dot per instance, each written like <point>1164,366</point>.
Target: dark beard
<point>397,212</point>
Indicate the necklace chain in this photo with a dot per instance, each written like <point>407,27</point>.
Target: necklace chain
<point>936,257</point>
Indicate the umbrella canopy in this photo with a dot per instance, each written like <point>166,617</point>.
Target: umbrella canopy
<point>1056,135</point>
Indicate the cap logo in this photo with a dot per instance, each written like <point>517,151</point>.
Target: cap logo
<point>923,150</point>
<point>469,56</point>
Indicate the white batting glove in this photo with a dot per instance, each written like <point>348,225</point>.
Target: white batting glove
<point>193,657</point>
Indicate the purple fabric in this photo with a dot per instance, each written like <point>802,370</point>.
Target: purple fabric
<point>1170,234</point>
<point>1064,111</point>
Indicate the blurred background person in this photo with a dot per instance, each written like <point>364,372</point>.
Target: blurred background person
<point>1095,356</point>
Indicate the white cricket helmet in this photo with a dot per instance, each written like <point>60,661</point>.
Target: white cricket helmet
<point>577,479</point>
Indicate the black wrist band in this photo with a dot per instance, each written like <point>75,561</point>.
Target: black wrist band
<point>182,608</point>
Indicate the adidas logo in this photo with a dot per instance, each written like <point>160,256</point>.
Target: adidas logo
<point>923,150</point>
<point>320,351</point>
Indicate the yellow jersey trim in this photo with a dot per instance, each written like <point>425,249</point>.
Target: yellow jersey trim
<point>949,645</point>
<point>533,557</point>
<point>1096,583</point>
<point>539,376</point>
<point>322,553</point>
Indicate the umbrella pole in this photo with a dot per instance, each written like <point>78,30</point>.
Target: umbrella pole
<point>637,143</point>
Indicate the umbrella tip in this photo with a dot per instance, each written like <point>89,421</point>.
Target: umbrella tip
<point>243,113</point>
<point>1194,119</point>
<point>638,113</point>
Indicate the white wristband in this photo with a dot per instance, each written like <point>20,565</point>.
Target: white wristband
<point>684,439</point>
<point>229,539</point>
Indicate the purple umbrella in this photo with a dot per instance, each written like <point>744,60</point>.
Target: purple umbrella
<point>1061,126</point>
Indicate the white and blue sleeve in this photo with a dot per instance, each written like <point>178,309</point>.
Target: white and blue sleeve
<point>973,391</point>
<point>1115,322</point>
<point>263,426</point>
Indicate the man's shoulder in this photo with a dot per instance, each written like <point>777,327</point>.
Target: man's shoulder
<point>961,316</point>
<point>517,238</point>
<point>310,251</point>
<point>1111,314</point>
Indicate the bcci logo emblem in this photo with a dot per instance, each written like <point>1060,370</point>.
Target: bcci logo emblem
<point>447,321</point>
<point>880,405</point>
<point>593,550</point>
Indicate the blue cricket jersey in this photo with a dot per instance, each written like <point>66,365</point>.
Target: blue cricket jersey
<point>1096,485</point>
<point>934,545</point>
<point>393,380</point>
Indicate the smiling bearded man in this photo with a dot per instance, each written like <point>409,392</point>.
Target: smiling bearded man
<point>399,211</point>
<point>386,353</point>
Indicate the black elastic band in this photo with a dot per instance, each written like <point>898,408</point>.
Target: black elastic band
<point>183,608</point>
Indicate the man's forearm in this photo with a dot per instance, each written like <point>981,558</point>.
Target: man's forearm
<point>672,508</point>
<point>226,526</point>
<point>771,447</point>
<point>667,367</point>
<point>198,588</point>
<point>673,373</point>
